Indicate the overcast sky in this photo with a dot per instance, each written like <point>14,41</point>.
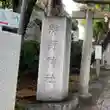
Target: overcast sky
<point>70,6</point>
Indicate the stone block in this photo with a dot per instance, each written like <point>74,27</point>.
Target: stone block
<point>69,104</point>
<point>53,76</point>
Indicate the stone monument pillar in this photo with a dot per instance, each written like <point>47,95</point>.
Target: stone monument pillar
<point>53,76</point>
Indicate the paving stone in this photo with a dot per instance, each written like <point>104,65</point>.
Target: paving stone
<point>103,102</point>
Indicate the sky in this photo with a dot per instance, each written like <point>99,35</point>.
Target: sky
<point>70,6</point>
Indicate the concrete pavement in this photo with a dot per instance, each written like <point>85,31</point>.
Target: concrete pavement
<point>100,90</point>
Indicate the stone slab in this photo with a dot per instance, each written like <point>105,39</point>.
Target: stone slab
<point>54,61</point>
<point>9,63</point>
<point>69,104</point>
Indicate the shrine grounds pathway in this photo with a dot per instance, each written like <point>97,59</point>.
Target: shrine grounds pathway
<point>100,90</point>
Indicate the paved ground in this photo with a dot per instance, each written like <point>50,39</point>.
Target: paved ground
<point>103,102</point>
<point>100,90</point>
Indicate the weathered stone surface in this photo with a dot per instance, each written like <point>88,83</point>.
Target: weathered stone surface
<point>85,100</point>
<point>53,77</point>
<point>65,105</point>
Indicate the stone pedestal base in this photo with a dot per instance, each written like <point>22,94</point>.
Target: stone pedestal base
<point>85,100</point>
<point>70,104</point>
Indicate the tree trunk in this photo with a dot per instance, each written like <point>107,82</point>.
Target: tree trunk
<point>26,10</point>
<point>17,5</point>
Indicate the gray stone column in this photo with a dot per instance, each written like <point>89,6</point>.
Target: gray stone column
<point>54,59</point>
<point>86,56</point>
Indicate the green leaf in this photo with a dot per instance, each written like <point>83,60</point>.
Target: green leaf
<point>97,6</point>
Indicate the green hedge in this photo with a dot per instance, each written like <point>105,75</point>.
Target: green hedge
<point>29,57</point>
